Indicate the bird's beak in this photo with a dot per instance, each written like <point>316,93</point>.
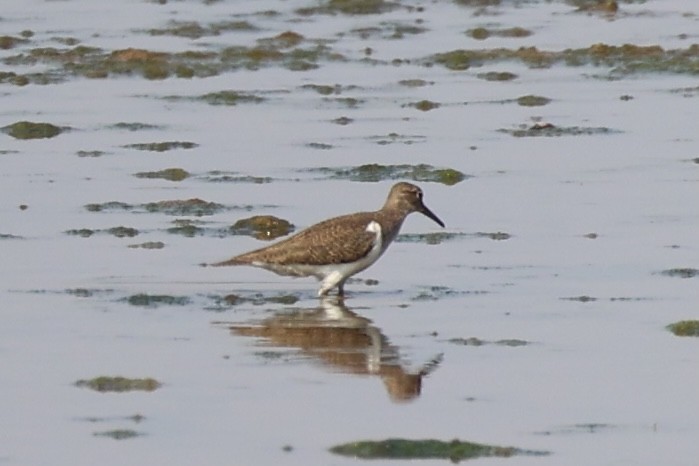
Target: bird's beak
<point>428,213</point>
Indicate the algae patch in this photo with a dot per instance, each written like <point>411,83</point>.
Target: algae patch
<point>550,130</point>
<point>404,449</point>
<point>376,172</point>
<point>162,146</point>
<point>257,299</point>
<point>686,272</point>
<point>685,328</point>
<point>532,101</point>
<point>621,60</point>
<point>474,341</point>
<point>263,227</point>
<point>193,207</point>
<point>32,130</point>
<point>119,434</point>
<point>481,33</point>
<point>221,176</point>
<point>148,245</point>
<point>227,97</point>
<point>425,105</point>
<point>155,300</point>
<point>119,384</point>
<point>169,174</point>
<point>350,7</point>
<point>439,237</point>
<point>119,232</point>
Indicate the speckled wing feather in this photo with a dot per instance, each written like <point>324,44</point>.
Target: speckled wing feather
<point>335,241</point>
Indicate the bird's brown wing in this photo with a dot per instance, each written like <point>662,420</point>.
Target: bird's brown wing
<point>335,241</point>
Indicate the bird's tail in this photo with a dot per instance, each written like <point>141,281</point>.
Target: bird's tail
<point>233,261</point>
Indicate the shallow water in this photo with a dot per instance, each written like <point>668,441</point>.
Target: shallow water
<point>595,220</point>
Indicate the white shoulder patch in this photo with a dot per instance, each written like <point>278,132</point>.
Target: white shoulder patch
<point>373,227</point>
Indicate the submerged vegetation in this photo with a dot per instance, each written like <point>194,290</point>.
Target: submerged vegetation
<point>455,450</point>
<point>32,130</point>
<point>685,328</point>
<point>264,227</point>
<point>295,52</point>
<point>376,172</point>
<point>169,174</point>
<point>119,384</point>
<point>192,207</point>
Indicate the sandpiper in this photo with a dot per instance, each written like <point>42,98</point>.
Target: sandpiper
<point>336,249</point>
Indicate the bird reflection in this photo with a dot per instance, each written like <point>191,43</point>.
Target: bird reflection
<point>341,340</point>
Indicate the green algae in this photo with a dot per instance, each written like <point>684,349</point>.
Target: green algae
<point>162,146</point>
<point>581,299</point>
<point>608,7</point>
<point>134,126</point>
<point>294,52</point>
<point>257,299</point>
<point>187,228</point>
<point>376,172</point>
<point>495,236</point>
<point>429,238</point>
<point>342,121</point>
<point>119,232</point>
<point>685,272</point>
<point>194,30</point>
<point>425,105</point>
<point>82,232</point>
<point>550,130</point>
<point>532,101</point>
<point>90,153</point>
<point>404,449</point>
<point>685,328</point>
<point>10,77</point>
<point>155,300</point>
<point>194,207</point>
<point>323,89</point>
<point>415,83</point>
<point>222,176</point>
<point>32,130</point>
<point>169,174</point>
<point>481,33</point>
<point>497,76</point>
<point>263,227</point>
<point>119,384</point>
<point>319,146</point>
<point>259,56</point>
<point>439,237</point>
<point>434,293</point>
<point>229,97</point>
<point>349,7</point>
<point>108,206</point>
<point>474,341</point>
<point>10,42</point>
<point>122,232</point>
<point>119,434</point>
<point>621,60</point>
<point>148,245</point>
<point>282,40</point>
<point>182,207</point>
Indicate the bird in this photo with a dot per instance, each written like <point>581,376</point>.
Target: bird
<point>335,249</point>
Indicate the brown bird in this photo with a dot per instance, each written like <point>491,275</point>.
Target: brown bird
<point>335,249</point>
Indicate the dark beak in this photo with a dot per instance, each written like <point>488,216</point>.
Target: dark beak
<point>428,213</point>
